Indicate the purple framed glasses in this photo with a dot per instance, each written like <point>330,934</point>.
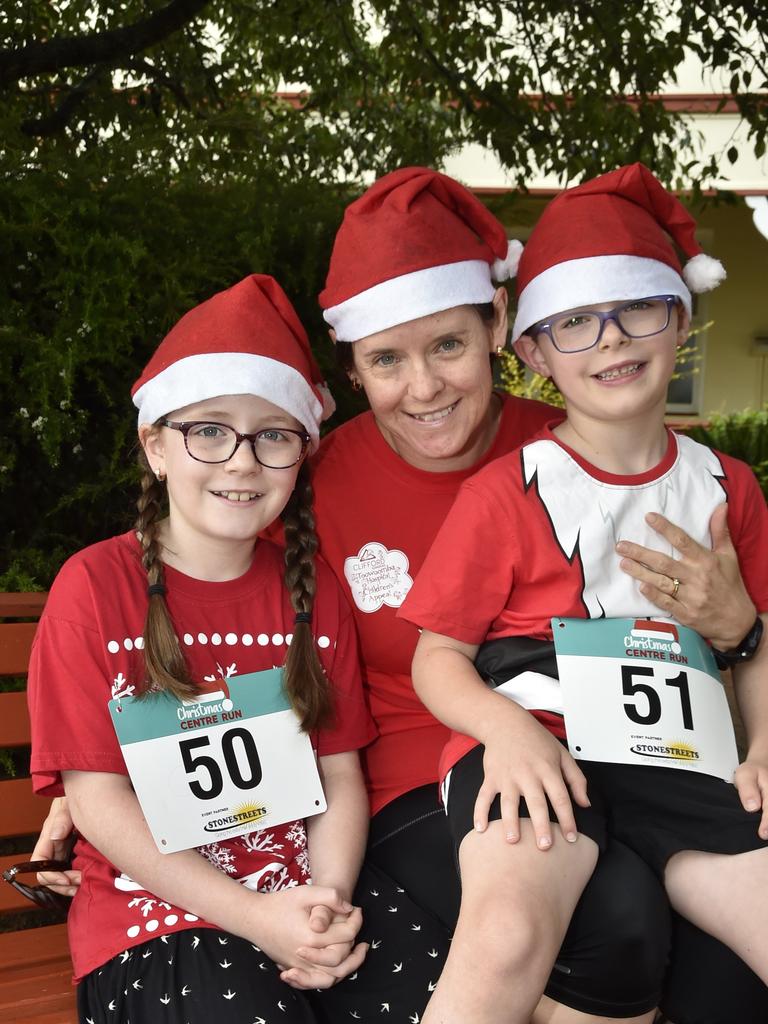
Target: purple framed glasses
<point>581,329</point>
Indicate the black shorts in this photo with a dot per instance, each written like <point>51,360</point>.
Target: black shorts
<point>460,793</point>
<point>656,811</point>
<point>614,955</point>
<point>659,812</point>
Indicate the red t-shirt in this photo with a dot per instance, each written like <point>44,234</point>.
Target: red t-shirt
<point>88,650</point>
<point>376,518</point>
<point>533,536</point>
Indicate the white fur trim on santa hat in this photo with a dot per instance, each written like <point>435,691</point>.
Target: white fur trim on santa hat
<point>702,273</point>
<point>595,279</point>
<point>502,270</point>
<point>410,296</point>
<point>197,378</point>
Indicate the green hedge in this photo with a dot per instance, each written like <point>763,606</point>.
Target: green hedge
<point>95,267</point>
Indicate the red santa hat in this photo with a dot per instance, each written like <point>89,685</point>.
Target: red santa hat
<point>606,240</point>
<point>415,243</point>
<point>246,340</point>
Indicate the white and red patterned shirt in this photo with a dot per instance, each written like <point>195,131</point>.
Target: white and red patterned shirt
<point>88,650</point>
<point>533,536</point>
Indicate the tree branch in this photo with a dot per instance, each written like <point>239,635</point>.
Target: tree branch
<point>62,115</point>
<point>160,78</point>
<point>96,48</point>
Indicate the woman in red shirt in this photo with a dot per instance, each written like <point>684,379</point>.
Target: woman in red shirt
<point>417,321</point>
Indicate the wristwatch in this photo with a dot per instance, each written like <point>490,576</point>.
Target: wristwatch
<point>743,651</point>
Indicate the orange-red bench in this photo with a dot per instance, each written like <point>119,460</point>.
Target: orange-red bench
<point>35,969</point>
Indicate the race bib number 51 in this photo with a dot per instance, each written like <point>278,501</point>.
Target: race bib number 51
<point>643,692</point>
<point>228,763</point>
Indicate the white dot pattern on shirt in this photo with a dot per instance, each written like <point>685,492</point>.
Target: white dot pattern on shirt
<point>152,924</point>
<point>216,639</point>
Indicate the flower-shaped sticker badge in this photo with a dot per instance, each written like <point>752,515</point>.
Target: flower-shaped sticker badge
<point>378,576</point>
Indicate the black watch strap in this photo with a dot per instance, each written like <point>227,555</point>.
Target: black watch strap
<point>744,651</point>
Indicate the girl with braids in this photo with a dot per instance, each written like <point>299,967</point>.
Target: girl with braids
<point>188,604</point>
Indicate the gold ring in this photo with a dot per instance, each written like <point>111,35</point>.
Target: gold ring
<point>675,588</point>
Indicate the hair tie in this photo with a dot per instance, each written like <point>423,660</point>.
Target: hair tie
<point>302,617</point>
<point>156,590</point>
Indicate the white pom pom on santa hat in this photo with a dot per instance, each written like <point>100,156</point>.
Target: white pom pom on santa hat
<point>702,273</point>
<point>502,270</point>
<point>611,238</point>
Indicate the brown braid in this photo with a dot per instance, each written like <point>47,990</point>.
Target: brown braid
<point>305,681</point>
<point>164,662</point>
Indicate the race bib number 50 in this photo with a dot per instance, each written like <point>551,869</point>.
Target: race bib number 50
<point>230,762</point>
<point>637,691</point>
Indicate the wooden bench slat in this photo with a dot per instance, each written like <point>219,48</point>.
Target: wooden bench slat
<point>15,644</point>
<point>36,977</point>
<point>39,999</point>
<point>35,967</point>
<point>22,606</point>
<point>63,1015</point>
<point>14,720</point>
<point>43,994</point>
<point>34,947</point>
<point>21,813</point>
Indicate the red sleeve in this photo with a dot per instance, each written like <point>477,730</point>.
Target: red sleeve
<point>353,726</point>
<point>68,691</point>
<point>748,523</point>
<point>467,577</point>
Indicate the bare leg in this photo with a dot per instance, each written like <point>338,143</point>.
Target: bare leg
<point>516,906</point>
<point>726,896</point>
<point>550,1012</point>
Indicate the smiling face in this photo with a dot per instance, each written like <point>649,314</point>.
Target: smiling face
<point>620,379</point>
<point>222,504</point>
<point>428,382</point>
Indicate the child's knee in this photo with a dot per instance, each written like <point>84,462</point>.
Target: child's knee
<point>505,932</point>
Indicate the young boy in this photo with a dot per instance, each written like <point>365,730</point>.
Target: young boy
<point>533,536</point>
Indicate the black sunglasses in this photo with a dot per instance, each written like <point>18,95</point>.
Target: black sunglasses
<point>40,895</point>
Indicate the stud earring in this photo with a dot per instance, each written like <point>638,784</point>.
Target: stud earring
<point>499,349</point>
<point>356,385</point>
<point>160,475</point>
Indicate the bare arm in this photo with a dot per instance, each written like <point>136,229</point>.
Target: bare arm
<point>336,841</point>
<point>54,843</point>
<point>105,810</point>
<point>711,597</point>
<point>751,685</point>
<point>337,838</point>
<point>522,759</point>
